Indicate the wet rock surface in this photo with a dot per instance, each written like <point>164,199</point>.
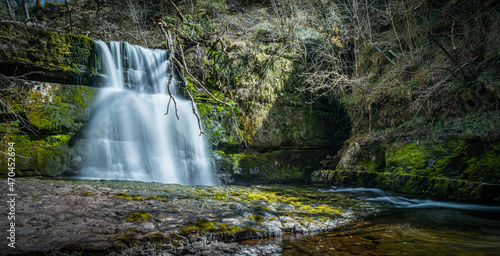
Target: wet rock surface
<point>58,217</point>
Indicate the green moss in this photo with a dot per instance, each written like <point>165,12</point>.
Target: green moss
<point>431,187</point>
<point>125,239</point>
<point>129,197</point>
<point>67,57</point>
<point>139,217</point>
<point>157,237</point>
<point>326,209</point>
<point>190,229</point>
<point>256,218</point>
<point>56,113</point>
<point>484,167</point>
<point>86,193</point>
<point>224,229</point>
<point>206,225</point>
<point>221,196</point>
<point>409,157</point>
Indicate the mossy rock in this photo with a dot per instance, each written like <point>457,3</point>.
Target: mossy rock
<point>53,116</point>
<point>414,185</point>
<point>139,217</point>
<point>46,55</point>
<point>277,166</point>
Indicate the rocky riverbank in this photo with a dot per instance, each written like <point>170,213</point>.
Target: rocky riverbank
<point>60,217</point>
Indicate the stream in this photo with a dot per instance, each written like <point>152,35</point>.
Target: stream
<point>408,227</point>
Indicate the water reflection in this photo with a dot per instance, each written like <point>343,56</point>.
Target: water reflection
<point>409,227</point>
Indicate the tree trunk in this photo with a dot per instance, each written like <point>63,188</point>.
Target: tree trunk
<point>25,7</point>
<point>9,9</point>
<point>68,8</point>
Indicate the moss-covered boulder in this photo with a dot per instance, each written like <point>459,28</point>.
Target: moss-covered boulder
<point>460,167</point>
<point>42,54</point>
<point>292,165</point>
<point>42,119</point>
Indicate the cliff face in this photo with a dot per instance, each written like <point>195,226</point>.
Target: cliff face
<point>42,107</point>
<point>280,137</point>
<point>455,167</point>
<point>41,54</point>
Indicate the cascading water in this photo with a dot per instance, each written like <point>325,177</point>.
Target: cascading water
<point>128,136</point>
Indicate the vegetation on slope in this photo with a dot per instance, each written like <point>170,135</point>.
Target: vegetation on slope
<point>411,70</point>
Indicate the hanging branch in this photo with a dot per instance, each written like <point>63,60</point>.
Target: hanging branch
<point>235,123</point>
<point>186,85</point>
<point>168,37</point>
<point>183,68</point>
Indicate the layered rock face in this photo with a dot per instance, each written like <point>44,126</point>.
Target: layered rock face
<point>459,167</point>
<point>43,104</point>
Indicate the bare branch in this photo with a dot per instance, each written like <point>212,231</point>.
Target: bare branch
<point>179,14</point>
<point>170,56</point>
<point>186,84</point>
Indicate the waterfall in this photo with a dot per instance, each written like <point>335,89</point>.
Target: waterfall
<point>128,136</point>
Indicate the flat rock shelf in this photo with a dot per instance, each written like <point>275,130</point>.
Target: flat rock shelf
<point>61,217</point>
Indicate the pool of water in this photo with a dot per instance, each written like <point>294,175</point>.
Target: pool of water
<point>407,227</point>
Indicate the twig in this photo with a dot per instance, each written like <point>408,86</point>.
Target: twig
<point>463,76</point>
<point>387,57</point>
<point>184,71</point>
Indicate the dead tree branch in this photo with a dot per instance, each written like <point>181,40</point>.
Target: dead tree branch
<point>179,14</point>
<point>167,29</point>
<point>170,56</point>
<point>186,85</point>
<point>463,76</point>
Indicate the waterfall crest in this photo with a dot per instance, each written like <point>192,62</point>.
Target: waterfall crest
<point>128,136</point>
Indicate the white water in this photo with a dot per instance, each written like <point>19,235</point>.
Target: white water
<point>129,137</point>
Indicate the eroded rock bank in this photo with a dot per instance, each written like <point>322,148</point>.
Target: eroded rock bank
<point>454,167</point>
<point>58,217</point>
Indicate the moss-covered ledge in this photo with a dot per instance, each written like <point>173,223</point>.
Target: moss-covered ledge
<point>42,120</point>
<point>452,167</point>
<point>42,54</point>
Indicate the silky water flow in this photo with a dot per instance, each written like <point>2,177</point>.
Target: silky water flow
<point>128,136</point>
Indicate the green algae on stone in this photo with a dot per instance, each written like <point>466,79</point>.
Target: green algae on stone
<point>139,217</point>
<point>206,225</point>
<point>127,196</point>
<point>256,218</point>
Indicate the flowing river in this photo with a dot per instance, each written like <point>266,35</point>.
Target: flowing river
<point>405,227</point>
